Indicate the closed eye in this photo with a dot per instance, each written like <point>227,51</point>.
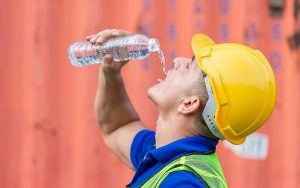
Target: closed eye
<point>188,64</point>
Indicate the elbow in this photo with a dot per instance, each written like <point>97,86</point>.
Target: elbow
<point>104,124</point>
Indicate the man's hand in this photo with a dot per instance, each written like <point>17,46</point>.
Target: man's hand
<point>109,66</point>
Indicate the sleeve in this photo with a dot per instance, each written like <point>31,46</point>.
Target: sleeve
<point>143,142</point>
<point>181,179</point>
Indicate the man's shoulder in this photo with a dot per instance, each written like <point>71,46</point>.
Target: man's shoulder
<point>138,150</point>
<point>144,136</point>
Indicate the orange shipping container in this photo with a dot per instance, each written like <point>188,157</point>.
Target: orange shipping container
<point>49,137</point>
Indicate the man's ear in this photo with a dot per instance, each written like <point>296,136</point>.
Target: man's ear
<point>189,105</point>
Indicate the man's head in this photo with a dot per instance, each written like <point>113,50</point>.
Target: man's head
<point>240,86</point>
<point>183,88</point>
<point>183,92</point>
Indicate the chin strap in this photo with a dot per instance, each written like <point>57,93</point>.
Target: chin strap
<point>209,111</point>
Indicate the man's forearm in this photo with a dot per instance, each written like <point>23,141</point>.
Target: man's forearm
<point>112,105</point>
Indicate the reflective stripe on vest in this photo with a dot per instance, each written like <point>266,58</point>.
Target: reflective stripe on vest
<point>205,166</point>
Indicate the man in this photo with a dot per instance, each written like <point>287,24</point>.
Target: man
<point>226,91</point>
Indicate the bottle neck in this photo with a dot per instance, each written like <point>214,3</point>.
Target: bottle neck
<point>154,45</point>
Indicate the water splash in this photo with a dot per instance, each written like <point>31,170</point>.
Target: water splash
<point>162,61</point>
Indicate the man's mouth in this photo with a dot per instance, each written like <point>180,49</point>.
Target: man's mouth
<point>159,80</point>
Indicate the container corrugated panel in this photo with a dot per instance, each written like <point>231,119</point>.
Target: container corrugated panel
<point>49,136</point>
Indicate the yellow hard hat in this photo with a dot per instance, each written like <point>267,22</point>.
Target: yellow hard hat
<point>241,88</point>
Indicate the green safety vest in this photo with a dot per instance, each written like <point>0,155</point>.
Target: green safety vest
<point>205,166</point>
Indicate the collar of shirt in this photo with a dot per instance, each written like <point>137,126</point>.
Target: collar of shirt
<point>193,144</point>
<point>156,159</point>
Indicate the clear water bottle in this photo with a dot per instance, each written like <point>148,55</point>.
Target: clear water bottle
<point>124,48</point>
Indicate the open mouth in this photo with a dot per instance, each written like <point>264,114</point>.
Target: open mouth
<point>159,80</point>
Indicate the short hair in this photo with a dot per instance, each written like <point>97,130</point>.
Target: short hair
<point>201,91</point>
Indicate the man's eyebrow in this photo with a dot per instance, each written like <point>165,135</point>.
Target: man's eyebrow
<point>193,58</point>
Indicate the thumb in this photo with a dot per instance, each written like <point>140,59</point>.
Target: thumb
<point>107,61</point>
<point>109,65</point>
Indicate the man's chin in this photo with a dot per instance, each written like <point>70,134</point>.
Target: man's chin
<point>151,94</point>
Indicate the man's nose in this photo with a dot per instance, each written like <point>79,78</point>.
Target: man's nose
<point>180,61</point>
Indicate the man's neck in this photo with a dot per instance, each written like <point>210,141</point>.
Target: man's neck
<point>171,127</point>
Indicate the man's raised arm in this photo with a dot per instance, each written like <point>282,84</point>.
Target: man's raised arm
<point>115,113</point>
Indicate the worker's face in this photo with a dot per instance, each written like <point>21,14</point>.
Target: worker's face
<point>179,83</point>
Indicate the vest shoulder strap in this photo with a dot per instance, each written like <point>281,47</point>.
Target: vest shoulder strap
<point>205,166</point>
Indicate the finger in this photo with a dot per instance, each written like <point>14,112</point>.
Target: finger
<point>101,37</point>
<point>104,36</point>
<point>110,33</point>
<point>107,34</point>
<point>89,37</point>
<point>117,33</point>
<point>94,38</point>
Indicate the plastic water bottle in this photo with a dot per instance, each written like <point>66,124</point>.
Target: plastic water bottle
<point>124,48</point>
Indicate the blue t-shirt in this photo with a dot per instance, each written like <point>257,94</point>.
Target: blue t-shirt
<point>147,160</point>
